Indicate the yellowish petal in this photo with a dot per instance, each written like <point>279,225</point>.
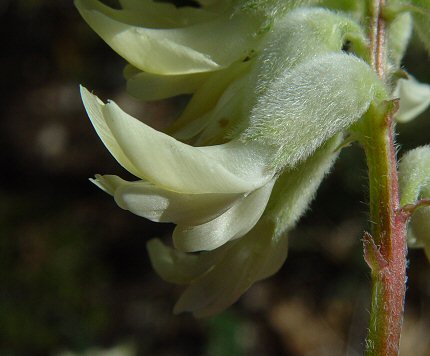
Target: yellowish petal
<point>206,98</point>
<point>175,266</point>
<point>414,174</point>
<point>95,109</point>
<point>156,204</point>
<point>228,115</point>
<point>148,86</point>
<point>239,264</point>
<point>108,183</point>
<point>414,99</point>
<point>158,158</point>
<point>166,15</point>
<point>198,48</point>
<point>234,223</point>
<point>419,234</point>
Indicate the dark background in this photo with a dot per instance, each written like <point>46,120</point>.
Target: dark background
<point>74,272</point>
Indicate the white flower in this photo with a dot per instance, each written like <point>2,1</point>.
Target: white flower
<point>419,227</point>
<point>414,181</point>
<point>216,279</point>
<point>267,112</point>
<point>214,193</point>
<point>160,38</point>
<point>414,99</point>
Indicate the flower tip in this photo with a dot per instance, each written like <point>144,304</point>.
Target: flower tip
<point>86,96</point>
<point>182,306</point>
<point>85,93</point>
<point>100,183</point>
<point>82,89</point>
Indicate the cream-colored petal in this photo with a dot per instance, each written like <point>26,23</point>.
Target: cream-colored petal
<point>156,204</point>
<point>422,22</point>
<point>206,98</point>
<point>240,263</point>
<point>130,71</point>
<point>414,99</point>
<point>95,109</point>
<point>230,114</point>
<point>216,125</point>
<point>197,48</point>
<point>172,165</point>
<point>165,15</point>
<point>234,223</point>
<point>419,234</point>
<point>399,32</point>
<point>148,86</point>
<point>216,5</point>
<point>149,14</point>
<point>175,266</point>
<point>148,18</point>
<point>414,183</point>
<point>414,174</point>
<point>108,183</point>
<point>147,200</point>
<point>273,257</point>
<point>193,129</point>
<point>218,288</point>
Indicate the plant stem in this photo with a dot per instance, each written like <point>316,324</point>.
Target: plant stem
<point>385,250</point>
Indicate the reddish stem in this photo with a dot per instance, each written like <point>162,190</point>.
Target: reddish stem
<point>385,250</point>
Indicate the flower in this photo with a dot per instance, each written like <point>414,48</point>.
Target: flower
<point>414,182</point>
<point>268,111</point>
<point>217,278</point>
<point>214,193</point>
<point>419,228</point>
<point>179,40</point>
<point>414,99</point>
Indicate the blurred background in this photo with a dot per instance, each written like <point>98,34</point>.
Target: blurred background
<point>74,271</point>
